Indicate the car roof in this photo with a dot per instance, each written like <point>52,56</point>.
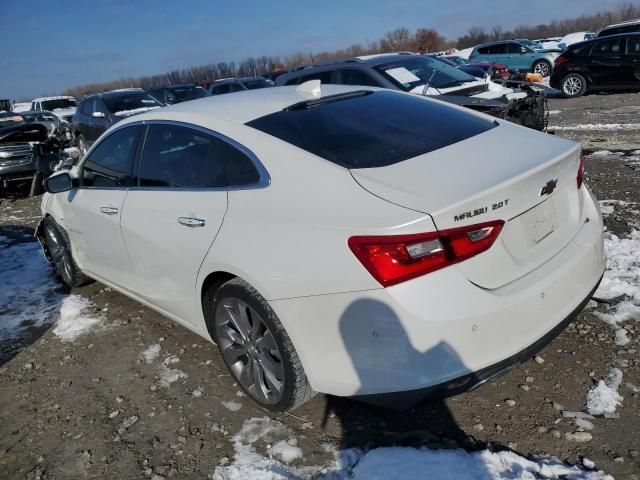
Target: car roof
<point>110,93</point>
<point>177,85</point>
<point>495,42</point>
<point>600,39</point>
<point>59,97</point>
<point>622,24</point>
<point>242,107</point>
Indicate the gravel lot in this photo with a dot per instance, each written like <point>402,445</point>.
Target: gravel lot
<point>96,407</point>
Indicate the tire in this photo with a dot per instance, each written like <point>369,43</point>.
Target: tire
<point>59,248</point>
<point>82,144</point>
<point>542,67</point>
<point>255,346</point>
<point>36,184</point>
<point>573,85</point>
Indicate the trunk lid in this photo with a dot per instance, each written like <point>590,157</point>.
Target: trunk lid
<point>526,178</point>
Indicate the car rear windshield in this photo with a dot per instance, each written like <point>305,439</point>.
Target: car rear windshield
<point>128,103</point>
<point>58,104</point>
<point>365,129</point>
<point>255,83</point>
<point>416,71</point>
<point>190,92</point>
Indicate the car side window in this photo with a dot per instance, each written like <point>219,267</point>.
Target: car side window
<point>109,163</point>
<point>181,157</point>
<point>324,77</point>
<point>240,168</point>
<point>613,46</point>
<point>352,76</point>
<point>633,46</point>
<point>498,49</point>
<point>483,50</point>
<point>517,48</point>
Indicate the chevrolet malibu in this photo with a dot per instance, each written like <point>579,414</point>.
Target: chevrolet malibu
<point>348,240</point>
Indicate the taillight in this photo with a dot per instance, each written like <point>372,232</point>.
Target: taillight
<point>397,258</point>
<point>580,176</point>
<point>560,60</point>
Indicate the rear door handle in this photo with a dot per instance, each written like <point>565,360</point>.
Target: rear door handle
<point>191,222</point>
<point>109,210</point>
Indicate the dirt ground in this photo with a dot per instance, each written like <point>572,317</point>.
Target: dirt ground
<point>63,404</point>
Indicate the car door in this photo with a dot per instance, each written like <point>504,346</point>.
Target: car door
<point>93,210</point>
<point>354,76</point>
<point>499,53</point>
<point>520,57</point>
<point>171,218</point>
<point>631,61</point>
<point>606,62</point>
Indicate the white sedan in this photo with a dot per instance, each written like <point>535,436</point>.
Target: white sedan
<point>347,240</point>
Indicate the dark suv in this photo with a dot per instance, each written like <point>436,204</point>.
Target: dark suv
<point>630,26</point>
<point>604,63</point>
<point>178,93</point>
<point>97,112</point>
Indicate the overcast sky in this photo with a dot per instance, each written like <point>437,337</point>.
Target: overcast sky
<point>50,45</point>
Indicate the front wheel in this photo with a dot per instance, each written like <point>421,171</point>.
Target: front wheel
<point>573,85</point>
<point>60,252</point>
<point>542,67</point>
<point>255,347</point>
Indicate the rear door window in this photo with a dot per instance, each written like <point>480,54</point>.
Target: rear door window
<point>109,163</point>
<point>181,157</point>
<point>353,76</point>
<point>364,129</point>
<point>613,46</point>
<point>498,49</point>
<point>633,46</point>
<point>324,77</point>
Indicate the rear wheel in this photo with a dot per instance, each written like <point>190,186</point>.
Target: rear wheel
<point>255,347</point>
<point>60,252</point>
<point>573,85</point>
<point>542,67</point>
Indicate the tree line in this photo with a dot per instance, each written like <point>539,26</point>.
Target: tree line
<point>423,40</point>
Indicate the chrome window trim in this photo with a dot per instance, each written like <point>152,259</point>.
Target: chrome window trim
<point>264,179</point>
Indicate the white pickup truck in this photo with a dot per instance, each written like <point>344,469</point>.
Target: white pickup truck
<point>63,107</point>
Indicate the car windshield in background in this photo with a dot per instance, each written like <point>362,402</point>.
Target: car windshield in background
<point>130,103</point>
<point>367,129</point>
<point>39,117</point>
<point>530,44</point>
<point>414,71</point>
<point>58,104</point>
<point>189,93</point>
<point>256,83</point>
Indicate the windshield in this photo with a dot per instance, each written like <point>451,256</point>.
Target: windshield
<point>39,117</point>
<point>130,103</point>
<point>411,72</point>
<point>530,44</point>
<point>58,104</point>
<point>456,60</point>
<point>255,83</point>
<point>189,93</point>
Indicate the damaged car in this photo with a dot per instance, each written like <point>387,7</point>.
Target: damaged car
<point>63,106</point>
<point>97,112</point>
<point>425,75</point>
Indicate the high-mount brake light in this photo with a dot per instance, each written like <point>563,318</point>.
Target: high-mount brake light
<point>397,258</point>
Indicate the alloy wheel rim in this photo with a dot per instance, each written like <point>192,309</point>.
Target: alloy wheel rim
<point>58,252</point>
<point>542,68</point>
<point>250,350</point>
<point>572,85</point>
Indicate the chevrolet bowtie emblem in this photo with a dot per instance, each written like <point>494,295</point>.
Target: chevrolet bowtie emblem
<point>549,187</point>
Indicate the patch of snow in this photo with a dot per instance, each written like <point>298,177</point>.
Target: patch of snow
<point>387,462</point>
<point>73,322</point>
<point>604,397</point>
<point>606,208</point>
<point>287,450</point>
<point>151,353</point>
<point>134,111</point>
<point>599,126</point>
<point>169,375</point>
<point>555,112</point>
<point>231,405</point>
<point>197,392</point>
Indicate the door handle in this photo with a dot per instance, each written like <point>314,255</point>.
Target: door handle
<point>191,222</point>
<point>109,210</point>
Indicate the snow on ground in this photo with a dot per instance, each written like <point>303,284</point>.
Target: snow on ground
<point>621,279</point>
<point>74,321</point>
<point>599,126</point>
<point>151,353</point>
<point>257,434</point>
<point>555,112</point>
<point>167,375</point>
<point>604,398</point>
<point>233,406</point>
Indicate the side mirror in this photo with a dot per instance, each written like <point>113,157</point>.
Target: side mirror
<point>98,115</point>
<point>62,182</point>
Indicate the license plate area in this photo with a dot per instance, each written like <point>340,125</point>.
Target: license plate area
<point>540,222</point>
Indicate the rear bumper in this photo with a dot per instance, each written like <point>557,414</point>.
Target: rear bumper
<point>470,381</point>
<point>440,328</point>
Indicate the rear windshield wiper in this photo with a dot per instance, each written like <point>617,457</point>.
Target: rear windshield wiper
<point>316,102</point>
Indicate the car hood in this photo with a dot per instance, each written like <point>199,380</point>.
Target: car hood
<point>26,132</point>
<point>64,112</point>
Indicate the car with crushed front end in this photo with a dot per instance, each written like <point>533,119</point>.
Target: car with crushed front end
<point>63,106</point>
<point>426,75</point>
<point>355,241</point>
